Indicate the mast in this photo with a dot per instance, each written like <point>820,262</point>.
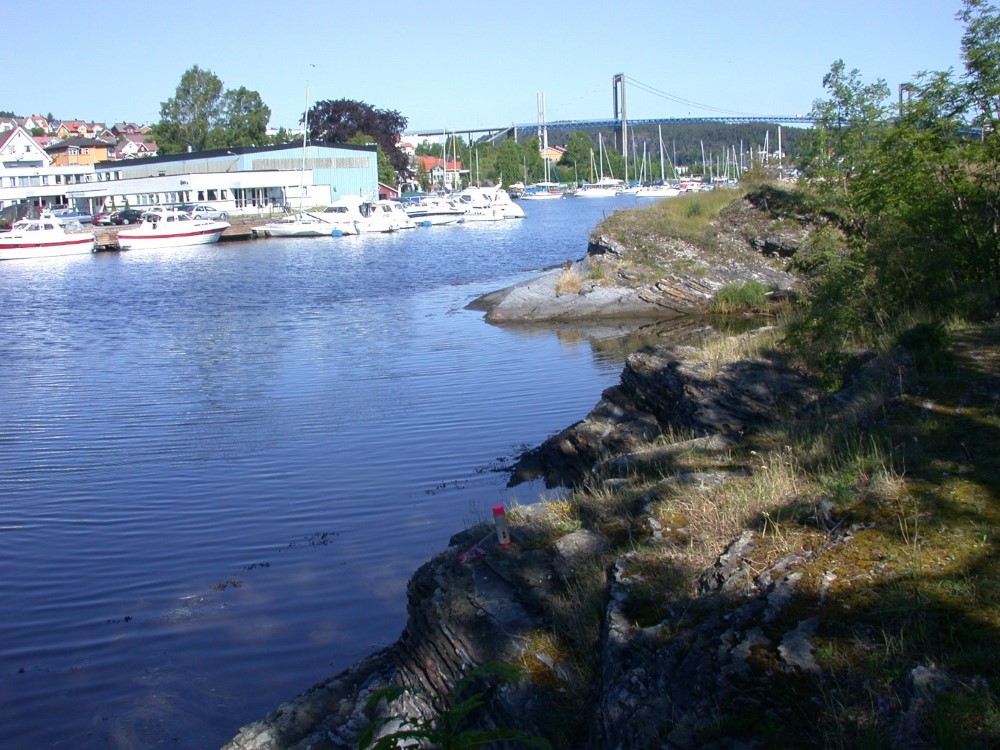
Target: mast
<point>305,134</point>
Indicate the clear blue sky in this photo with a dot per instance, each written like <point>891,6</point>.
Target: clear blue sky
<point>456,65</point>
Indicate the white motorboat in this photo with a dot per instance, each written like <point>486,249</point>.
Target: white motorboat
<point>352,214</point>
<point>45,237</point>
<point>433,210</point>
<point>487,204</point>
<point>657,191</point>
<point>168,227</point>
<point>606,187</point>
<point>296,225</point>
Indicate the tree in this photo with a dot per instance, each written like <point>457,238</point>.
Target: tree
<point>243,119</point>
<point>340,120</point>
<point>915,192</point>
<point>191,114</point>
<point>201,116</point>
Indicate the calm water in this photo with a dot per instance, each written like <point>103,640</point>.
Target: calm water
<point>219,466</point>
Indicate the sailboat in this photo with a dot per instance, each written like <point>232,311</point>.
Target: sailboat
<point>605,187</point>
<point>301,224</point>
<point>546,189</point>
<point>664,189</point>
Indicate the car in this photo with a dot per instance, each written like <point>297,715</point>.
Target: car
<point>71,214</point>
<point>207,212</point>
<point>126,216</point>
<point>103,219</point>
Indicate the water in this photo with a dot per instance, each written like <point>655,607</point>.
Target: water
<point>219,466</point>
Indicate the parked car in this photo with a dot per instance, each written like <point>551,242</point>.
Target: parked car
<point>103,219</point>
<point>71,214</point>
<point>207,212</point>
<point>126,216</point>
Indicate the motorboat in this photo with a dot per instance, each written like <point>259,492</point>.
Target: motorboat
<point>387,213</point>
<point>45,237</point>
<point>169,227</point>
<point>478,205</point>
<point>487,204</point>
<point>433,210</point>
<point>657,191</point>
<point>508,207</point>
<point>296,225</point>
<point>353,214</point>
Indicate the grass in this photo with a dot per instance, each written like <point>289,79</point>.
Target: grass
<point>688,218</point>
<point>915,585</point>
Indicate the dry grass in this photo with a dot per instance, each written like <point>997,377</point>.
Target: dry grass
<point>569,282</point>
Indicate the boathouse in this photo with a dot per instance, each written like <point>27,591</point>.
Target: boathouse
<point>256,180</point>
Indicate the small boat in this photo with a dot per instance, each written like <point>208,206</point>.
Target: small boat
<point>45,237</point>
<point>296,225</point>
<point>169,227</point>
<point>657,191</point>
<point>433,210</point>
<point>606,187</point>
<point>540,191</point>
<point>352,214</point>
<point>487,204</point>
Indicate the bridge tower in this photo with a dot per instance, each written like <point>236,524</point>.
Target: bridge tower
<point>618,88</point>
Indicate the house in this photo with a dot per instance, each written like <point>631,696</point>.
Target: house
<point>27,174</point>
<point>134,146</point>
<point>18,148</point>
<point>35,122</point>
<point>552,154</point>
<point>77,150</point>
<point>70,128</point>
<point>442,174</point>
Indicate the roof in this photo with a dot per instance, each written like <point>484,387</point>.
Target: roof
<point>79,142</point>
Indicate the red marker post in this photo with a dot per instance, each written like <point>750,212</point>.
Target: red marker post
<point>500,520</point>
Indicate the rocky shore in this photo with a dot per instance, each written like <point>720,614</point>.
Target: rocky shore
<point>570,601</point>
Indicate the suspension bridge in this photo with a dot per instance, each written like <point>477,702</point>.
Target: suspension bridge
<point>619,120</point>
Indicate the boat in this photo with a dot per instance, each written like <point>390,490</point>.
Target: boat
<point>169,227</point>
<point>352,214</point>
<point>487,204</point>
<point>501,198</point>
<point>657,191</point>
<point>662,189</point>
<point>540,191</point>
<point>297,225</point>
<point>604,187</point>
<point>433,210</point>
<point>45,237</point>
<point>478,205</point>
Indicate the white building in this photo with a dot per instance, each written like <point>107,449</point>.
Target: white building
<point>238,180</point>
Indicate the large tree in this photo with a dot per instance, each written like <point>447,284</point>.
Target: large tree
<point>340,120</point>
<point>201,116</point>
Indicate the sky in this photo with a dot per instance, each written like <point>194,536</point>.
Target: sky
<point>446,65</point>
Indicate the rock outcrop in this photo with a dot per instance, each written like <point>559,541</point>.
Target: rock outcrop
<point>478,603</point>
<point>751,244</point>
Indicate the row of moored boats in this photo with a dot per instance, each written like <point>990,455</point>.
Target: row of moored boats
<point>165,227</point>
<point>609,187</point>
<point>352,214</point>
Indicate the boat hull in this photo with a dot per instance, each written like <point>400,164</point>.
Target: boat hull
<point>140,240</point>
<point>20,250</point>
